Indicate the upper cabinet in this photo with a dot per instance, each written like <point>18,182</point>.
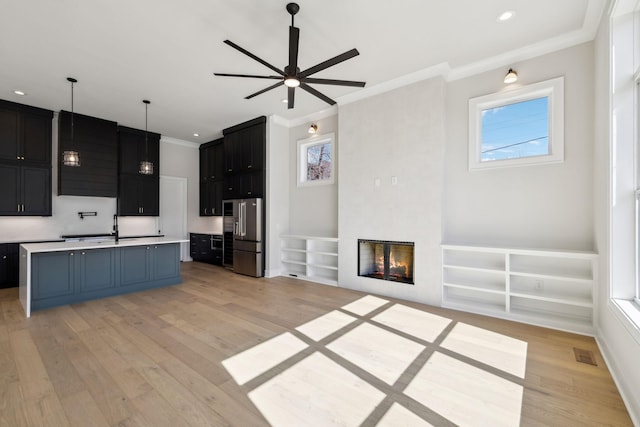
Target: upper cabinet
<point>138,195</point>
<point>25,134</point>
<point>244,155</point>
<point>211,177</point>
<point>96,141</point>
<point>25,160</point>
<point>133,149</point>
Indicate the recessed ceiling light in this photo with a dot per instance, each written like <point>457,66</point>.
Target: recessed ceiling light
<point>19,92</point>
<point>196,134</point>
<point>505,16</point>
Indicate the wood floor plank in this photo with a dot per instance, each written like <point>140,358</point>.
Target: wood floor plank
<point>154,358</point>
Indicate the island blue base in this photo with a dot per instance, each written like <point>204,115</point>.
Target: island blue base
<point>67,277</point>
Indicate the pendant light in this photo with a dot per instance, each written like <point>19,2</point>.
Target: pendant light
<point>146,167</point>
<point>71,157</point>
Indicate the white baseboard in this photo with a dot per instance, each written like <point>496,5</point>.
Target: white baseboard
<point>626,391</point>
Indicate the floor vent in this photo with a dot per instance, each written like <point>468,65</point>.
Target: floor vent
<point>585,356</point>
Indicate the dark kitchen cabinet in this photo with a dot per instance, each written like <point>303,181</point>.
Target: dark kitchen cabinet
<point>244,147</point>
<point>133,149</point>
<point>96,269</point>
<point>211,178</point>
<point>96,141</point>
<point>25,134</point>
<point>139,195</point>
<point>149,263</point>
<point>206,248</point>
<point>244,153</point>
<point>52,274</point>
<point>9,253</point>
<point>25,191</point>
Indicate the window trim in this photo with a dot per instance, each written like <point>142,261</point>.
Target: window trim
<point>303,144</point>
<point>553,88</point>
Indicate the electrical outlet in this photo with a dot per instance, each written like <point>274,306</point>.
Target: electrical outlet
<point>538,284</point>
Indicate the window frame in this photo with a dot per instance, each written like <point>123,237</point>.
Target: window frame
<point>303,145</point>
<point>553,89</point>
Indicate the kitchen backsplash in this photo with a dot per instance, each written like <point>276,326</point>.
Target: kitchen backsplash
<point>65,220</point>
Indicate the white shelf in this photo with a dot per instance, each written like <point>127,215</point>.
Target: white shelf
<point>312,258</point>
<point>552,288</point>
<point>493,290</point>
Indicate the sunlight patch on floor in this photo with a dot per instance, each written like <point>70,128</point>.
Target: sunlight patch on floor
<point>466,395</point>
<point>321,390</point>
<point>365,305</point>
<point>325,325</point>
<point>316,392</point>
<point>257,360</point>
<point>420,324</point>
<point>377,351</point>
<point>497,350</point>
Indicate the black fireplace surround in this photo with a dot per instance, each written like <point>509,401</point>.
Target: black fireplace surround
<point>386,260</point>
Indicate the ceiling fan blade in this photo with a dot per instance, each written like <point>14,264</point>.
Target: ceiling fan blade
<point>330,62</point>
<point>334,82</point>
<point>251,55</point>
<point>314,92</point>
<point>291,92</point>
<point>264,90</point>
<point>248,75</point>
<point>294,38</point>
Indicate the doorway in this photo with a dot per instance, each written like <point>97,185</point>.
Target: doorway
<point>173,210</point>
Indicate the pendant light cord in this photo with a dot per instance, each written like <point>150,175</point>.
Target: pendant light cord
<point>72,83</point>
<point>146,130</point>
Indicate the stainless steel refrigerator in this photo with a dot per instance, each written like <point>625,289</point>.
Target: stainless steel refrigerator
<point>247,236</point>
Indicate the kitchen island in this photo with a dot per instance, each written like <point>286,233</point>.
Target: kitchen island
<point>58,273</point>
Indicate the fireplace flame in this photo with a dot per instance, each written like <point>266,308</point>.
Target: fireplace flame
<point>399,267</point>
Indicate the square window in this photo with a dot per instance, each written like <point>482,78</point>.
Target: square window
<point>316,160</point>
<point>523,126</point>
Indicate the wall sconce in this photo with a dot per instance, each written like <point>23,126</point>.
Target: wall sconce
<point>313,128</point>
<point>511,76</point>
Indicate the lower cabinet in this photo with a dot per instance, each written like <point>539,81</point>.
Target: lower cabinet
<point>9,265</point>
<point>67,277</point>
<point>206,248</point>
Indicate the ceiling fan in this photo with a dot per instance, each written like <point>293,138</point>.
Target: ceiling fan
<point>291,76</point>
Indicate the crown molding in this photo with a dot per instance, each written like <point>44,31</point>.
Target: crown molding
<point>297,121</point>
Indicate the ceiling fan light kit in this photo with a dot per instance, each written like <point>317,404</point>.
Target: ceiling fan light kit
<point>291,76</point>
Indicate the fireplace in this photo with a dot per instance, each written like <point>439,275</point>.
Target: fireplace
<point>386,260</point>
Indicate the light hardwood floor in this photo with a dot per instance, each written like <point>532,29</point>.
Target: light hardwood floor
<point>156,358</point>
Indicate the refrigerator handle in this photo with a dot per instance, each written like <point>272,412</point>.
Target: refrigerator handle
<point>243,219</point>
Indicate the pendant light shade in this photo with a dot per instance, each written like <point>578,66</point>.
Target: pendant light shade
<point>146,167</point>
<point>71,157</point>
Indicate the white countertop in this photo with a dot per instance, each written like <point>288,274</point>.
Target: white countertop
<point>107,243</point>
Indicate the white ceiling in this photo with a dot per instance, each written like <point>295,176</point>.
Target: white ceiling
<point>123,51</point>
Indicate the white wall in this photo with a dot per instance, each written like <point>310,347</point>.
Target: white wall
<point>542,206</point>
<point>400,133</point>
<point>617,344</point>
<point>314,209</point>
<point>182,159</point>
<point>277,200</point>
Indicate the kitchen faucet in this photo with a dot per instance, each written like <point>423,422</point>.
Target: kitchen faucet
<point>115,227</point>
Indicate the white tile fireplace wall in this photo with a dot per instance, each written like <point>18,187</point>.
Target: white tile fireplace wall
<point>391,164</point>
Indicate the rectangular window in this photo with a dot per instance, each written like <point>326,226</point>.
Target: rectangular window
<point>523,126</point>
<point>316,160</point>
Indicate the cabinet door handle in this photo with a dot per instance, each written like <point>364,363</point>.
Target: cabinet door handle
<point>4,257</point>
<point>82,253</point>
<point>205,211</point>
<point>148,248</point>
<point>71,254</point>
<point>249,166</point>
<point>142,209</point>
